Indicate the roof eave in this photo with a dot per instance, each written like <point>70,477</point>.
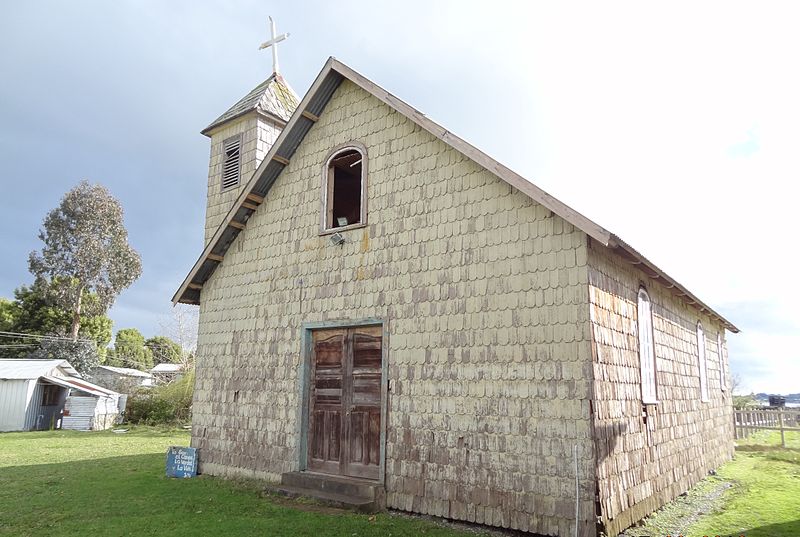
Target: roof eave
<point>632,256</point>
<point>592,229</point>
<point>220,124</point>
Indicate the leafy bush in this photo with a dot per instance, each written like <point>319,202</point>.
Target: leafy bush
<point>170,403</point>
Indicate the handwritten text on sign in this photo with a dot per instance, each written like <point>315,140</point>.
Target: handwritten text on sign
<point>181,462</point>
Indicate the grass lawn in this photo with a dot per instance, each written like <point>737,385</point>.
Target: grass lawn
<point>70,483</point>
<point>765,498</point>
<point>755,495</point>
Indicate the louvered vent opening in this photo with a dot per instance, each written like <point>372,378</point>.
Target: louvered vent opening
<point>231,166</point>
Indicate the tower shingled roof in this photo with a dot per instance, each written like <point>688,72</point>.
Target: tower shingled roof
<point>273,97</point>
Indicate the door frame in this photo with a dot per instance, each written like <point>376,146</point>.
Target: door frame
<point>306,348</point>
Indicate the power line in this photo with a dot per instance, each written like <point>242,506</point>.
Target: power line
<point>39,337</point>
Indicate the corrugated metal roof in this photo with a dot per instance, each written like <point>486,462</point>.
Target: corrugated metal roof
<point>31,369</point>
<point>167,368</point>
<point>273,97</point>
<point>127,371</point>
<point>81,385</point>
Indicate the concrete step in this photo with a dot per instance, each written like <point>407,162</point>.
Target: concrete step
<point>347,486</point>
<point>332,499</point>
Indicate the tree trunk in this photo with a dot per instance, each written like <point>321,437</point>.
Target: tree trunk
<point>76,316</point>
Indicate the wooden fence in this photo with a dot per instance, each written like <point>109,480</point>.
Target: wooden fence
<point>746,422</point>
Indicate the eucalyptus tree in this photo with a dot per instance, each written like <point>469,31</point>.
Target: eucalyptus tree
<point>85,249</point>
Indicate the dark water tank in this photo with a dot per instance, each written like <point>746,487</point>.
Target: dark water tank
<point>777,401</point>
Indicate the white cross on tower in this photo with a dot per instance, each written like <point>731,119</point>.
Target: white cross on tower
<point>274,44</point>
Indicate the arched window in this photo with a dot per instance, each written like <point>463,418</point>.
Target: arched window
<point>345,188</point>
<point>647,357</point>
<point>701,362</point>
<point>723,381</point>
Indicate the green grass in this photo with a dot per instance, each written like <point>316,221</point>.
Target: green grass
<point>756,495</point>
<point>765,498</point>
<point>68,483</point>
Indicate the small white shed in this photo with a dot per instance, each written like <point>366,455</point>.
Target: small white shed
<point>121,379</point>
<point>165,373</point>
<point>39,395</point>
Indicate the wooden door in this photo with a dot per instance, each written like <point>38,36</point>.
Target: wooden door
<point>327,401</point>
<point>345,402</point>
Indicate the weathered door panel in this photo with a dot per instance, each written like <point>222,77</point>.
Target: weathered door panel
<point>364,412</point>
<point>326,404</point>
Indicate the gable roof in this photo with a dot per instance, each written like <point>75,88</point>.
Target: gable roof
<point>126,371</point>
<point>273,97</point>
<point>166,367</point>
<point>301,121</point>
<point>22,369</point>
<point>81,385</point>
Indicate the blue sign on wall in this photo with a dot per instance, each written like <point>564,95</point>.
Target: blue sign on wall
<point>181,462</point>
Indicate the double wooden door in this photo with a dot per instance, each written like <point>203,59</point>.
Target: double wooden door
<point>345,402</point>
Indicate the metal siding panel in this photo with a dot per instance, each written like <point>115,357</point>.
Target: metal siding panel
<point>13,401</point>
<point>34,407</point>
<point>81,413</point>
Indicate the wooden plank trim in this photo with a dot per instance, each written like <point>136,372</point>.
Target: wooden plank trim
<point>194,286</point>
<point>625,250</point>
<point>280,160</point>
<point>247,191</point>
<point>214,257</point>
<point>250,205</point>
<point>308,115</point>
<point>237,225</point>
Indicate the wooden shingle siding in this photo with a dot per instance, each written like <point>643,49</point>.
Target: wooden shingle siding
<point>484,296</point>
<point>257,135</point>
<point>641,465</point>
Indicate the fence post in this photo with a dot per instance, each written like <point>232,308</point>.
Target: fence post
<point>780,422</point>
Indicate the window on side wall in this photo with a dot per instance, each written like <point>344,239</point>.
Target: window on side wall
<point>345,189</point>
<point>701,362</point>
<point>647,358</point>
<point>722,373</point>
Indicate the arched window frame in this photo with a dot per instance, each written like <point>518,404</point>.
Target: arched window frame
<point>701,362</point>
<point>327,227</point>
<point>723,375</point>
<point>647,354</point>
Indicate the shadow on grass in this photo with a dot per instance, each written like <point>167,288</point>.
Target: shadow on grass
<point>784,529</point>
<point>764,448</point>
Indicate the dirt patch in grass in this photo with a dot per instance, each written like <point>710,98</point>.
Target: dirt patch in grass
<point>673,519</point>
<point>757,495</point>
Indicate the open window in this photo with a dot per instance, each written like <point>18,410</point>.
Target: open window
<point>701,360</point>
<point>345,189</point>
<point>647,357</point>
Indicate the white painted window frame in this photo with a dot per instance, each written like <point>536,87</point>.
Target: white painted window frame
<point>702,363</point>
<point>723,376</point>
<point>327,180</point>
<point>647,355</point>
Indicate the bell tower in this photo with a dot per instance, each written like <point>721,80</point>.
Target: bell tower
<point>242,136</point>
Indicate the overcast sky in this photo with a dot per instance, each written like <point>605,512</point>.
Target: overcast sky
<point>673,126</point>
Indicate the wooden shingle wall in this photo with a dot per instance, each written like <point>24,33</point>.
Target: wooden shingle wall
<point>258,135</point>
<point>644,463</point>
<point>485,298</point>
